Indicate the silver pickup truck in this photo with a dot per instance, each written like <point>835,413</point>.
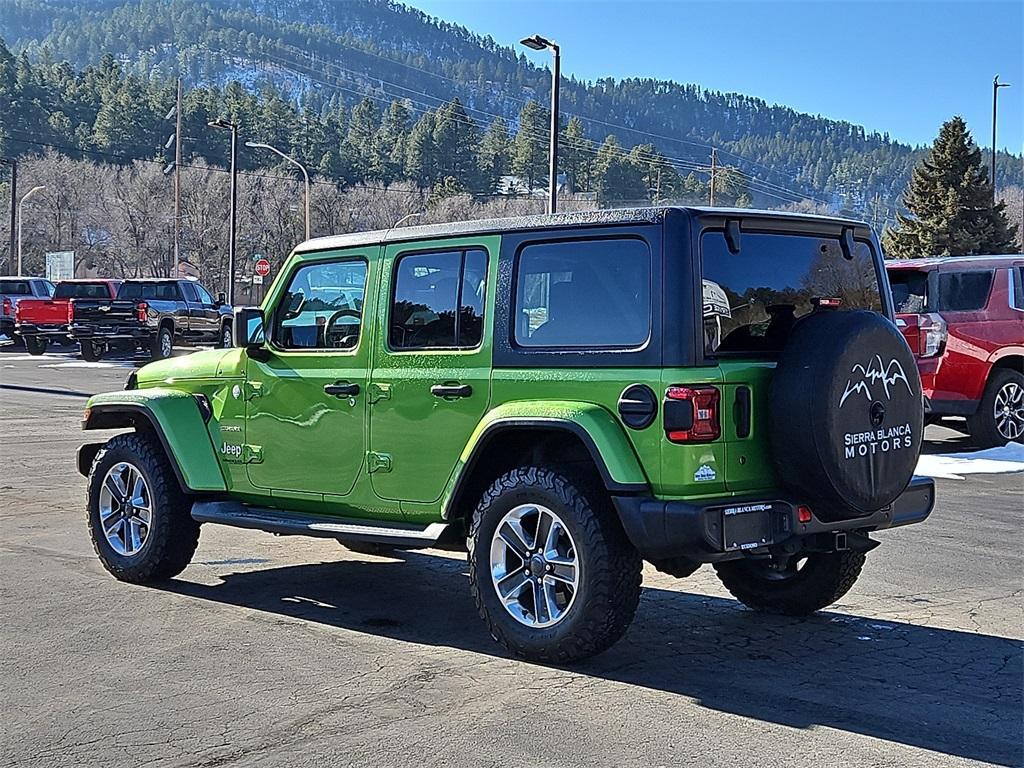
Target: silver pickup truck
<point>13,290</point>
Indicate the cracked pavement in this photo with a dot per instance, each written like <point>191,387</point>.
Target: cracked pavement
<point>275,651</point>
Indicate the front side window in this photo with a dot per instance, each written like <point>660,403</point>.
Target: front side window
<point>964,291</point>
<point>190,292</point>
<point>438,300</point>
<point>322,307</point>
<point>753,298</point>
<point>204,295</point>
<point>585,293</point>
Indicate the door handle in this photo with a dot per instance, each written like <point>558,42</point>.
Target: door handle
<point>341,389</point>
<point>451,390</point>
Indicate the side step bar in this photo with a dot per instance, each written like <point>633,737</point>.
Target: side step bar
<point>300,524</point>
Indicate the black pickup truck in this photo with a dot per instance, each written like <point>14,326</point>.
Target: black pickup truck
<point>150,314</point>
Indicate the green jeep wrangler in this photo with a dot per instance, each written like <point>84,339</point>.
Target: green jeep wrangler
<point>564,396</point>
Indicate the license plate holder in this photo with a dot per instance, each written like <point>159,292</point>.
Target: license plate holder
<point>747,526</point>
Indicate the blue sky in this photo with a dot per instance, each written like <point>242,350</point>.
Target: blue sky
<point>901,66</point>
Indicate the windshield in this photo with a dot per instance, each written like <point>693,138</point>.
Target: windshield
<point>81,291</point>
<point>909,291</point>
<point>753,298</point>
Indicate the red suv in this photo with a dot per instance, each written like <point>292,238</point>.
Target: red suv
<point>963,317</point>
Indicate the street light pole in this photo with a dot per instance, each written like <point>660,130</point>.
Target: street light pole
<point>21,220</point>
<point>996,85</point>
<point>293,161</point>
<point>14,207</point>
<point>539,43</point>
<point>233,127</point>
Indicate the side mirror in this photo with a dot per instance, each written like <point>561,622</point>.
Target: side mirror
<point>222,298</point>
<point>248,325</point>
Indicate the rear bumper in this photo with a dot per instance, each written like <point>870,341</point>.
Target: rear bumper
<point>48,331</point>
<point>706,533</point>
<point>110,333</point>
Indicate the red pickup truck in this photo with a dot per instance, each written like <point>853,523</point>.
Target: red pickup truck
<point>41,321</point>
<point>963,317</point>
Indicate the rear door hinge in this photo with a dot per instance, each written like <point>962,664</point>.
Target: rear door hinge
<point>377,391</point>
<point>378,462</point>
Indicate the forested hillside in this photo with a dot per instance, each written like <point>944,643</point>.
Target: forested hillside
<point>358,89</point>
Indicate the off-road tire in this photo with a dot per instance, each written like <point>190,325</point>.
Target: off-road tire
<point>174,536</point>
<point>91,351</point>
<point>823,579</point>
<point>982,425</point>
<point>677,567</point>
<point>36,346</point>
<point>157,346</point>
<point>609,566</point>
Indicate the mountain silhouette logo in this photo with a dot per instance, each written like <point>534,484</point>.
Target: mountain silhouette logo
<point>875,372</point>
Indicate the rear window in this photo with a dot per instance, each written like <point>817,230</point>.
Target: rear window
<point>909,291</point>
<point>15,288</point>
<point>753,298</point>
<point>157,291</point>
<point>81,291</point>
<point>964,291</point>
<point>584,293</point>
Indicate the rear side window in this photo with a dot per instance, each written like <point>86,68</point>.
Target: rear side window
<point>584,293</point>
<point>753,298</point>
<point>15,288</point>
<point>1017,287</point>
<point>909,291</point>
<point>964,291</point>
<point>438,300</point>
<point>81,291</point>
<point>149,291</point>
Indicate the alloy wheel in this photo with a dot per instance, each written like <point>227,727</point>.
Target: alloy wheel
<point>1009,410</point>
<point>126,509</point>
<point>534,566</point>
<point>165,345</point>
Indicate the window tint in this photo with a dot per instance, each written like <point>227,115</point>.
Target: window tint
<point>190,292</point>
<point>1017,287</point>
<point>81,291</point>
<point>909,291</point>
<point>428,287</point>
<point>15,287</point>
<point>753,298</point>
<point>963,291</point>
<point>151,291</point>
<point>587,293</point>
<point>323,307</point>
<point>204,295</point>
<point>48,288</point>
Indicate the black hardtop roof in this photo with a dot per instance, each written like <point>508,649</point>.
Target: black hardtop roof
<point>607,217</point>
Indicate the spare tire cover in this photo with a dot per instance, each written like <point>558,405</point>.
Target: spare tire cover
<point>846,413</point>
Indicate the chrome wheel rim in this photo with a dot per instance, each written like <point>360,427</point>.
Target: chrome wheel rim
<point>534,566</point>
<point>1008,410</point>
<point>165,344</point>
<point>126,509</point>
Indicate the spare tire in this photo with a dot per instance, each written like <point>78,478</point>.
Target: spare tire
<point>846,413</point>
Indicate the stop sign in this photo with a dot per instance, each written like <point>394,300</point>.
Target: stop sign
<point>262,267</point>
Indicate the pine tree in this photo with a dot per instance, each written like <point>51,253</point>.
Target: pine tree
<point>359,141</point>
<point>495,154</point>
<point>618,181</point>
<point>576,155</point>
<point>949,199</point>
<point>530,146</point>
<point>420,154</point>
<point>455,142</point>
<point>390,143</point>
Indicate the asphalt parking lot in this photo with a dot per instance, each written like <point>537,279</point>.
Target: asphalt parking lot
<point>293,652</point>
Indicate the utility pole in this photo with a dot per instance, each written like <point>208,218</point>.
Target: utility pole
<point>996,85</point>
<point>714,169</point>
<point>177,184</point>
<point>14,209</point>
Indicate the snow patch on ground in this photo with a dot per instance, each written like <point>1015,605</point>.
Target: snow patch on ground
<point>85,364</point>
<point>953,466</point>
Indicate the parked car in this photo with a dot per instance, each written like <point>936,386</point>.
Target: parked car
<point>12,291</point>
<point>41,322</point>
<point>151,314</point>
<point>563,396</point>
<point>964,320</point>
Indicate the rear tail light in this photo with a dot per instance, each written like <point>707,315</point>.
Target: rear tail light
<point>17,311</point>
<point>142,311</point>
<point>71,311</point>
<point>932,335</point>
<point>803,513</point>
<point>692,414</point>
<point>7,306</point>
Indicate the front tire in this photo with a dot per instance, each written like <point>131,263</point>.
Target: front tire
<point>227,338</point>
<point>553,548</point>
<point>1000,415</point>
<point>139,519</point>
<point>806,585</point>
<point>36,346</point>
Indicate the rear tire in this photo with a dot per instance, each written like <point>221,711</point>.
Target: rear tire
<point>91,351</point>
<point>1000,415</point>
<point>577,589</point>
<point>166,534</point>
<point>163,344</point>
<point>823,578</point>
<point>36,346</point>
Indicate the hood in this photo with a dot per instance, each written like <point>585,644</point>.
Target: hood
<point>209,364</point>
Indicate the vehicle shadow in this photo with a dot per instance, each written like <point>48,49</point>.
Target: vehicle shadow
<point>953,692</point>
